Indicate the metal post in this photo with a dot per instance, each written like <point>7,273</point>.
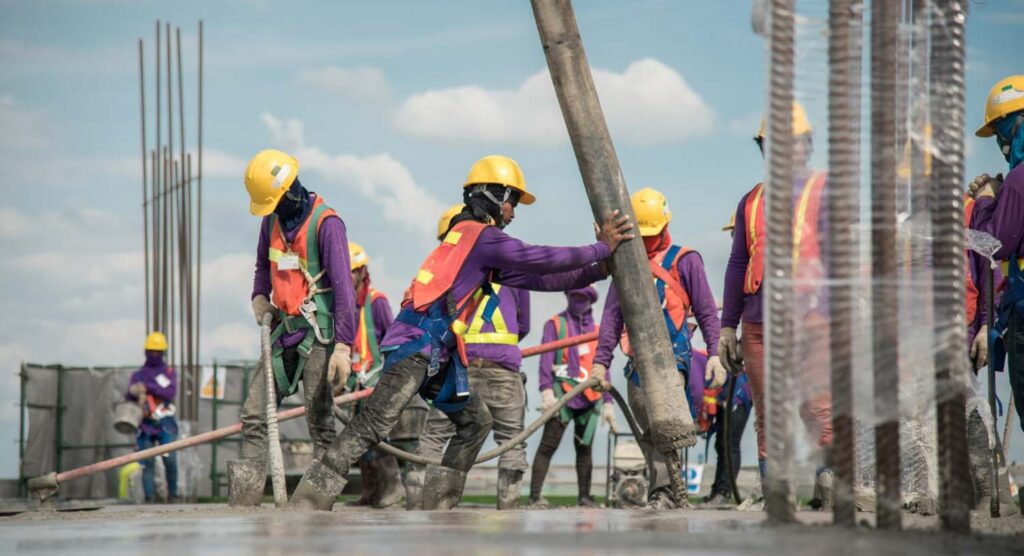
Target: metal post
<point>59,422</point>
<point>884,263</point>
<point>158,310</point>
<point>778,295</point>
<point>843,208</point>
<point>671,424</point>
<point>199,196</point>
<point>214,482</point>
<point>947,107</point>
<point>145,194</point>
<point>22,379</point>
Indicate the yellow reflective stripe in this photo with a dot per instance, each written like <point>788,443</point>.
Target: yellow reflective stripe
<point>505,338</point>
<point>453,237</point>
<point>801,216</point>
<point>752,229</point>
<point>1006,266</point>
<point>274,255</point>
<point>424,276</point>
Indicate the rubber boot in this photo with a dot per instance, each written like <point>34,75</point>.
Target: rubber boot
<point>414,487</point>
<point>389,484</point>
<point>318,489</point>
<point>510,483</point>
<point>822,498</point>
<point>442,487</point>
<point>246,482</point>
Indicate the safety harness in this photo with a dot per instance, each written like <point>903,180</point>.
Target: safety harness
<point>1012,300</point>
<point>589,419</point>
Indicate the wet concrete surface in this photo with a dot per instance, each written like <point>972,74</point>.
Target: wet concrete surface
<point>215,529</point>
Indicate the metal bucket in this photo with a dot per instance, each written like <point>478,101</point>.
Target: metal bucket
<point>127,417</point>
<point>411,421</point>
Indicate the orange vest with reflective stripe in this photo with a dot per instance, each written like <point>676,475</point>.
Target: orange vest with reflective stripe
<point>677,299</point>
<point>972,288</point>
<point>586,354</point>
<point>438,272</point>
<point>805,234</point>
<point>289,287</point>
<point>362,344</point>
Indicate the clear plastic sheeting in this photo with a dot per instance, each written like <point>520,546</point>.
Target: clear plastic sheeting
<point>868,321</point>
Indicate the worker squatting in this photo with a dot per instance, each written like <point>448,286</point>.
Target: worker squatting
<point>454,341</point>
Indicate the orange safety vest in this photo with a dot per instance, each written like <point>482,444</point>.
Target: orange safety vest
<point>438,272</point>
<point>289,287</point>
<point>677,299</point>
<point>805,233</point>
<point>972,288</point>
<point>586,355</point>
<point>366,340</point>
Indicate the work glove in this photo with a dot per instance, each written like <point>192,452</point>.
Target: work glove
<point>985,186</point>
<point>138,390</point>
<point>339,367</point>
<point>547,399</point>
<point>729,349</point>
<point>608,416</point>
<point>600,372</point>
<point>979,349</point>
<point>714,372</point>
<point>261,306</point>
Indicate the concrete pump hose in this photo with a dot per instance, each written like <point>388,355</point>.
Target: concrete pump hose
<point>551,412</point>
<point>273,433</point>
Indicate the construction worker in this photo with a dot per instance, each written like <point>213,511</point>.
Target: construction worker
<point>682,286</point>
<point>743,278</point>
<point>153,387</point>
<point>378,473</point>
<point>423,353</point>
<point>1000,208</point>
<point>301,263</point>
<point>559,373</point>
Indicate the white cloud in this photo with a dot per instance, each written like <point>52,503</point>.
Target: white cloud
<point>220,164</point>
<point>646,104</point>
<point>21,127</point>
<point>234,340</point>
<point>47,59</point>
<point>360,83</point>
<point>379,178</point>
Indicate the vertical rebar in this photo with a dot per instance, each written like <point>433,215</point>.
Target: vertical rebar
<point>843,209</point>
<point>199,196</point>
<point>158,185</point>
<point>778,275</point>
<point>164,232</point>
<point>884,262</point>
<point>145,188</point>
<point>154,202</point>
<point>947,113</point>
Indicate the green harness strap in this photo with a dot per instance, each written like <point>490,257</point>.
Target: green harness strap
<point>371,339</point>
<point>292,323</point>
<point>589,419</point>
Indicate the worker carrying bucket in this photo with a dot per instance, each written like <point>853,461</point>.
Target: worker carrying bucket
<point>425,354</point>
<point>151,392</point>
<point>303,280</point>
<point>682,286</point>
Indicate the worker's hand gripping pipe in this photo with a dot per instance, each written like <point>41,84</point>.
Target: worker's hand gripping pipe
<point>273,434</point>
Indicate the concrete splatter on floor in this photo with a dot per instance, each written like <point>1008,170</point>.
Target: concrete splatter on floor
<point>215,529</point>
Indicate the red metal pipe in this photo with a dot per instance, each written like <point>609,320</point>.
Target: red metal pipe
<point>236,428</point>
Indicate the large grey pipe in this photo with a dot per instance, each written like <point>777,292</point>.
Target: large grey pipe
<point>669,414</point>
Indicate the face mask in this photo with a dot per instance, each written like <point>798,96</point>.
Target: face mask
<point>579,304</point>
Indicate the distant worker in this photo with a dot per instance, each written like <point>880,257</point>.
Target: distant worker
<point>154,387</point>
<point>742,299</point>
<point>303,280</point>
<point>682,286</point>
<point>560,371</point>
<point>1000,206</point>
<point>378,472</point>
<point>424,353</point>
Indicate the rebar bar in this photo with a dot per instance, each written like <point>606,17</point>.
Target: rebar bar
<point>145,192</point>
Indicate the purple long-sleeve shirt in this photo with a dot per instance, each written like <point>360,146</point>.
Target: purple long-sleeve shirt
<point>702,302</point>
<point>514,306</point>
<point>382,316</point>
<point>1005,219</point>
<point>977,266</point>
<point>160,380</point>
<point>333,247</point>
<point>575,326</point>
<point>736,304</point>
<point>503,259</point>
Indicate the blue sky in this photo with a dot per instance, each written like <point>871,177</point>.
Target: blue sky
<point>386,104</point>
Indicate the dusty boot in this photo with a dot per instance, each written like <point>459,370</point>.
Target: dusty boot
<point>538,503</point>
<point>442,487</point>
<point>367,479</point>
<point>414,487</point>
<point>389,484</point>
<point>246,481</point>
<point>661,500</point>
<point>587,501</point>
<point>822,497</point>
<point>717,500</point>
<point>318,489</point>
<point>510,483</point>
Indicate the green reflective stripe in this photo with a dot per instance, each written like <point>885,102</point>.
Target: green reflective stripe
<point>371,334</point>
<point>587,420</point>
<point>562,330</point>
<point>324,301</point>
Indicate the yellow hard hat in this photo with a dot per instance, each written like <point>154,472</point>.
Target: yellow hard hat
<point>732,223</point>
<point>1005,98</point>
<point>651,210</point>
<point>501,170</point>
<point>156,341</point>
<point>357,256</point>
<point>801,124</point>
<point>446,219</point>
<point>267,177</point>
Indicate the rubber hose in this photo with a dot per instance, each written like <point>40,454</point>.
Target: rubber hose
<point>273,433</point>
<point>525,433</point>
<point>727,436</point>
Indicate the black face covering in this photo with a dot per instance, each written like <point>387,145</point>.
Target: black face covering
<point>294,207</point>
<point>481,207</point>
